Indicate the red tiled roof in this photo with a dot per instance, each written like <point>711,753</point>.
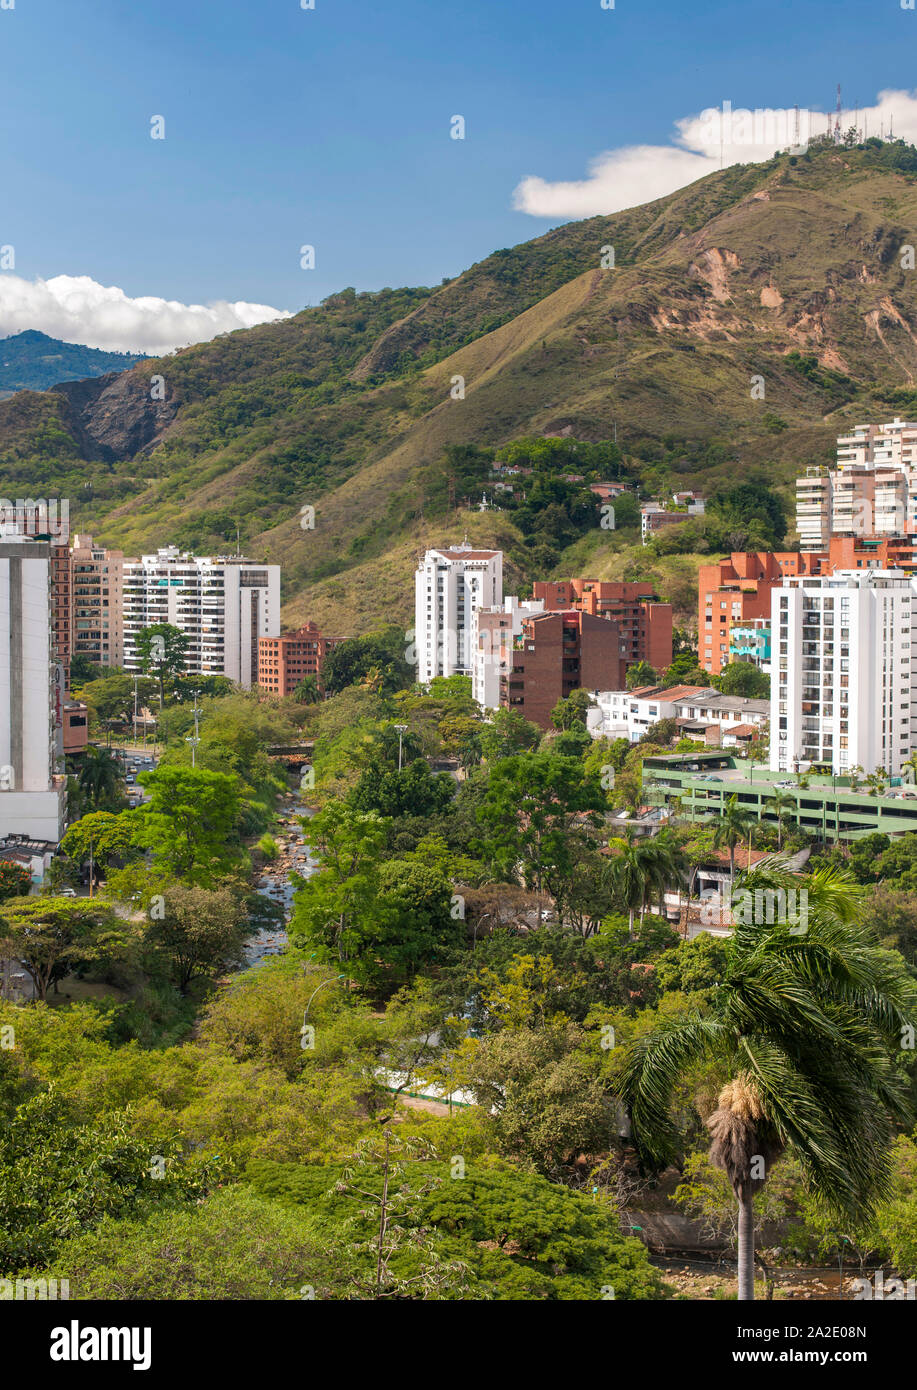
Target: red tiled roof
<point>681,692</point>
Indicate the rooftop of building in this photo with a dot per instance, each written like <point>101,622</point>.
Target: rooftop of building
<point>671,694</point>
<point>712,699</point>
<point>17,845</point>
<point>846,579</point>
<point>461,552</point>
<point>309,629</point>
<point>170,554</point>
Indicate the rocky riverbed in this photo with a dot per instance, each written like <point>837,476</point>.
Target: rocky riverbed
<point>275,880</point>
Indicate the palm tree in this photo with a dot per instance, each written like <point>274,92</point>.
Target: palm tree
<point>876,781</point>
<point>629,873</point>
<point>642,870</point>
<point>807,1026</point>
<point>666,867</point>
<point>781,803</point>
<point>911,763</point>
<point>99,777</point>
<point>308,692</point>
<point>733,825</point>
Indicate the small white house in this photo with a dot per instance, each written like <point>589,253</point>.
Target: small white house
<point>629,713</point>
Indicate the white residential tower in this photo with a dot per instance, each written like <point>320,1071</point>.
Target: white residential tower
<point>450,586</point>
<point>841,684</point>
<point>222,605</point>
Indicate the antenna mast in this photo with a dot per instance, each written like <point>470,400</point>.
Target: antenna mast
<point>837,117</point>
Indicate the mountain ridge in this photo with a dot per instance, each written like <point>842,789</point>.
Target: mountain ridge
<point>33,361</point>
<point>786,272</point>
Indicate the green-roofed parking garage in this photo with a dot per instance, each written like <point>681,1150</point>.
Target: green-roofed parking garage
<point>697,786</point>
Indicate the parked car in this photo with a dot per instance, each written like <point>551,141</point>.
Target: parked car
<point>68,893</point>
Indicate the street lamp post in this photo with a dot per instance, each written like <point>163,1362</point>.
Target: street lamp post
<point>402,730</point>
<point>323,984</point>
<point>315,991</point>
<point>194,739</point>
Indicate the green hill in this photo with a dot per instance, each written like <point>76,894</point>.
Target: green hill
<point>786,274</point>
<point>31,361</point>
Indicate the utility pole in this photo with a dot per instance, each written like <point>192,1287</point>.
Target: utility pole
<point>402,730</point>
<point>194,739</point>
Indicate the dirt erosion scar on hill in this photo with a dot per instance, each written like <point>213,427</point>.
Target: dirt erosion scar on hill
<point>118,416</point>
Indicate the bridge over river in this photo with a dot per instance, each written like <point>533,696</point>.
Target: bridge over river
<point>292,755</point>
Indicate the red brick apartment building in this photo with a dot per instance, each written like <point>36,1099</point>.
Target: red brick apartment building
<point>286,660</point>
<point>645,626</point>
<point>557,653</point>
<point>738,588</point>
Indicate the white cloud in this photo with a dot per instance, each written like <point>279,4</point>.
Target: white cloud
<point>80,310</point>
<point>634,174</point>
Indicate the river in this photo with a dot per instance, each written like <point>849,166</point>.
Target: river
<point>274,883</point>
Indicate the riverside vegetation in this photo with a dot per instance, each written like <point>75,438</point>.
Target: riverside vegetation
<point>177,1127</point>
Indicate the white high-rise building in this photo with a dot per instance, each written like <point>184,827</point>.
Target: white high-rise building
<point>33,799</point>
<point>222,605</point>
<point>872,491</point>
<point>842,691</point>
<point>450,585</point>
<point>492,634</point>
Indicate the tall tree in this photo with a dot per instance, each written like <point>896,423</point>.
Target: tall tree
<point>199,933</point>
<point>733,826</point>
<point>308,692</point>
<point>536,814</point>
<point>190,821</point>
<point>49,936</point>
<point>100,837</point>
<point>808,1026</point>
<point>332,905</point>
<point>508,732</point>
<point>162,648</point>
<point>99,780</point>
<point>783,805</point>
<point>378,658</point>
<point>628,873</point>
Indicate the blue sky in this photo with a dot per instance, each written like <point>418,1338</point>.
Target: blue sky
<point>331,126</point>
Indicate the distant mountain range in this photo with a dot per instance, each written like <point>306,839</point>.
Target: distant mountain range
<point>32,361</point>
